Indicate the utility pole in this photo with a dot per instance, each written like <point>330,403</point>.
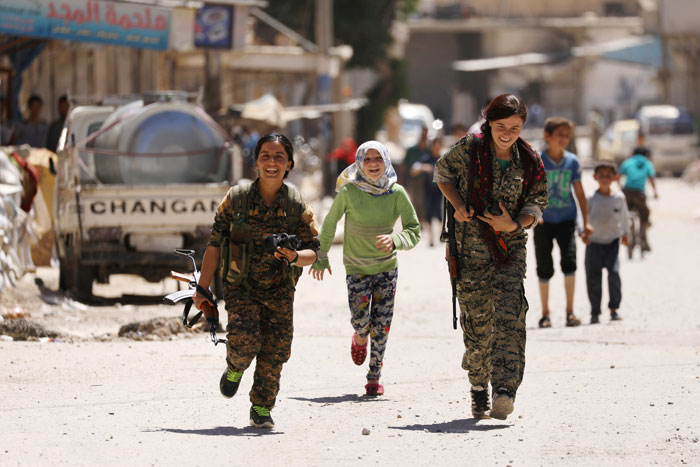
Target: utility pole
<point>664,72</point>
<point>324,82</point>
<point>212,81</point>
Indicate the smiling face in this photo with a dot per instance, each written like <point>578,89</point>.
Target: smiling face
<point>506,131</point>
<point>272,162</point>
<point>559,139</point>
<point>605,176</point>
<point>373,165</point>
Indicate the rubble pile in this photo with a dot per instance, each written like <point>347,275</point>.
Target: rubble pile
<point>21,329</point>
<point>158,329</point>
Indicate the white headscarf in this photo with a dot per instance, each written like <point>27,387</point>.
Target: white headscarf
<point>355,172</point>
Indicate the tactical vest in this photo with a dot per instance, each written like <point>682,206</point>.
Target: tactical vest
<point>236,248</point>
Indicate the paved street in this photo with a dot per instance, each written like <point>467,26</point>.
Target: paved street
<point>617,393</point>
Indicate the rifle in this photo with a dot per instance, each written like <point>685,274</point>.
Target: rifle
<point>211,313</point>
<point>451,255</point>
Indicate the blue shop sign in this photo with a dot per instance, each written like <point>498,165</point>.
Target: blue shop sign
<point>130,24</point>
<point>213,25</point>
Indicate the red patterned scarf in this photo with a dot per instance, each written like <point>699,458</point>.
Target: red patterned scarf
<point>480,185</point>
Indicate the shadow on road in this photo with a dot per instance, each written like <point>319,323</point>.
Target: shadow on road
<point>221,431</point>
<point>59,297</point>
<point>338,399</point>
<point>456,426</point>
<point>125,299</point>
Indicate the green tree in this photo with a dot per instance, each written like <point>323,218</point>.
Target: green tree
<point>365,25</point>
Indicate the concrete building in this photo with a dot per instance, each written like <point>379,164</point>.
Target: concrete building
<point>263,56</point>
<point>571,79</point>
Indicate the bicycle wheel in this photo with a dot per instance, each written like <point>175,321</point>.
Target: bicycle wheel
<point>632,237</point>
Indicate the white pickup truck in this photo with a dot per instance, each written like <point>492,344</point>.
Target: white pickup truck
<point>134,182</point>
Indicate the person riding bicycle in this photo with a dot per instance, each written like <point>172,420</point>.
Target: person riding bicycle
<point>637,169</point>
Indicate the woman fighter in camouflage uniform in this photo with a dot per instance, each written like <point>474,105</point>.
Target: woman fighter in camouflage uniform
<point>498,187</point>
<point>260,306</point>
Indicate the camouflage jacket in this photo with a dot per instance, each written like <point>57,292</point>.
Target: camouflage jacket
<point>453,167</point>
<point>263,220</point>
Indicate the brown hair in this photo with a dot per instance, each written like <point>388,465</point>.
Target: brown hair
<point>552,123</point>
<point>604,164</point>
<point>503,106</point>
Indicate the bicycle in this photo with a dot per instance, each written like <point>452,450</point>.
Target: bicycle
<point>634,239</point>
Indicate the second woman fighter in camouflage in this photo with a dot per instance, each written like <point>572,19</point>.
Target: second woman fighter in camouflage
<point>498,187</point>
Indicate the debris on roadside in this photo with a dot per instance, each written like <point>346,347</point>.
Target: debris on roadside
<point>15,313</point>
<point>20,329</point>
<point>159,329</point>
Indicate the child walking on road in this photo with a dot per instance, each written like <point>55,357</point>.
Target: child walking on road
<point>607,212</point>
<point>637,170</point>
<point>371,201</point>
<point>559,219</point>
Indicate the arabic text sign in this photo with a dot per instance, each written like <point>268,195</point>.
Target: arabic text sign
<point>130,24</point>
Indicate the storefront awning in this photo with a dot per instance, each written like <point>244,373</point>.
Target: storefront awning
<point>644,50</point>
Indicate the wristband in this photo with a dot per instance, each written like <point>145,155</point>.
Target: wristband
<point>294,262</point>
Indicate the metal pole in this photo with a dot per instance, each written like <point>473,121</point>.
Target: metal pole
<point>664,72</point>
<point>324,82</point>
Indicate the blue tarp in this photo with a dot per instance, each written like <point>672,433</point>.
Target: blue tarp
<point>647,53</point>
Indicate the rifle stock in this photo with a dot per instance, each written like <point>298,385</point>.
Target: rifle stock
<point>178,276</point>
<point>209,308</point>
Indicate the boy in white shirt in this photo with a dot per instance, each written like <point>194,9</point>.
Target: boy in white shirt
<point>608,215</point>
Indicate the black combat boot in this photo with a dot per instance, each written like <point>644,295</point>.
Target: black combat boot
<point>480,402</point>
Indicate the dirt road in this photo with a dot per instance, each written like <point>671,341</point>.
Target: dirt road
<point>617,393</point>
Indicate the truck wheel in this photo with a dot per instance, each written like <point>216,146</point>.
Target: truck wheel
<point>65,275</point>
<point>83,280</point>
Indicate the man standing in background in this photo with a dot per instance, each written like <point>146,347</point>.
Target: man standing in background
<point>33,130</point>
<point>56,126</point>
<point>414,183</point>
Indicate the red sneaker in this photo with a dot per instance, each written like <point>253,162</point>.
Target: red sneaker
<point>374,389</point>
<point>358,352</point>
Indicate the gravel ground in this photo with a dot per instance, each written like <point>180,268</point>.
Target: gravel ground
<point>617,393</point>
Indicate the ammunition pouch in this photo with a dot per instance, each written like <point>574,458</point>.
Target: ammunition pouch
<point>235,254</point>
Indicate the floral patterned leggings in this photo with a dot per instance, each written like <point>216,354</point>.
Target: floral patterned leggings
<point>371,299</point>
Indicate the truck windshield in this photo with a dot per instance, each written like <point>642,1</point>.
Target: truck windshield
<point>663,125</point>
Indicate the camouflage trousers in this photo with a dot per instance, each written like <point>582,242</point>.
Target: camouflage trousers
<point>493,308</point>
<point>371,299</point>
<point>260,329</point>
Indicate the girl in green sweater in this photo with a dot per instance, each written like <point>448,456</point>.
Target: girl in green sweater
<point>371,201</point>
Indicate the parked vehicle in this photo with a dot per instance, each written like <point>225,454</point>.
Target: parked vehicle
<point>618,141</point>
<point>413,118</point>
<point>134,183</point>
<point>670,135</point>
<point>667,131</point>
